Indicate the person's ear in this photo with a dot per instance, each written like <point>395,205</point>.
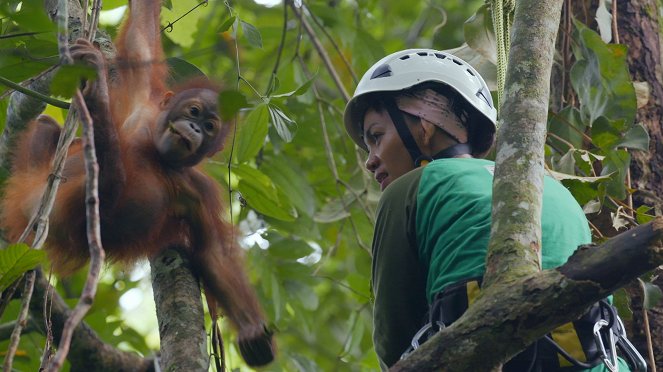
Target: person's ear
<point>429,131</point>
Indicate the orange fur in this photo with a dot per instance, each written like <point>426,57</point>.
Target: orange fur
<point>147,203</point>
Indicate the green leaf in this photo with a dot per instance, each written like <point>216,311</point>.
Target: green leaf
<point>259,192</point>
<point>290,249</point>
<point>616,162</point>
<point>652,295</point>
<point>227,24</point>
<point>252,133</point>
<point>300,90</point>
<point>601,77</point>
<point>181,70</point>
<point>334,210</point>
<point>568,125</point>
<point>641,215</point>
<point>230,102</point>
<point>281,122</point>
<point>251,34</point>
<point>636,138</point>
<point>262,203</point>
<point>303,293</point>
<point>290,178</point>
<point>69,78</point>
<point>30,17</point>
<point>479,34</point>
<point>15,260</point>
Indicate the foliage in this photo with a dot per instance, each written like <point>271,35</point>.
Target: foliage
<point>296,185</point>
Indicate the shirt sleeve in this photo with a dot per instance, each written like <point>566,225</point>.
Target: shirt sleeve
<point>398,278</point>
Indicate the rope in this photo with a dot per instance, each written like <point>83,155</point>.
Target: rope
<point>502,14</point>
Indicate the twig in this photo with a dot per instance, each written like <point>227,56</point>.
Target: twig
<point>21,322</point>
<point>50,100</point>
<point>93,236</point>
<point>322,52</point>
<point>645,318</point>
<point>279,53</point>
<point>48,324</point>
<point>169,26</point>
<point>30,81</point>
<point>94,20</point>
<point>347,64</point>
<point>615,30</point>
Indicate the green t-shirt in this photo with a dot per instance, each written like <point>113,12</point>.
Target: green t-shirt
<point>453,221</point>
<point>432,230</point>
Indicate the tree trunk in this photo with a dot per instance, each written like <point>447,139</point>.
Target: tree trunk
<point>638,28</point>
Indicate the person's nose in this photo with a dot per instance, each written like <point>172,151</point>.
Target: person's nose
<point>372,162</point>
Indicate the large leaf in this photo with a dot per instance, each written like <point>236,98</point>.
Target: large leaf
<point>230,102</point>
<point>601,77</point>
<point>568,126</point>
<point>252,134</point>
<point>260,194</point>
<point>251,34</point>
<point>616,162</point>
<point>288,177</point>
<point>15,260</point>
<point>479,34</point>
<point>637,138</point>
<point>282,123</point>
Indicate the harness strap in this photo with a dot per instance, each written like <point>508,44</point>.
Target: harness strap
<point>403,131</point>
<point>455,150</point>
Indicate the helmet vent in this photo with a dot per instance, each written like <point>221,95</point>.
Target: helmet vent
<point>423,54</point>
<point>470,72</point>
<point>481,95</point>
<point>459,63</point>
<point>440,56</point>
<point>381,71</point>
<point>405,57</point>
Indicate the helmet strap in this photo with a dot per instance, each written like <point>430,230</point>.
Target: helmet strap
<point>398,119</point>
<point>455,150</point>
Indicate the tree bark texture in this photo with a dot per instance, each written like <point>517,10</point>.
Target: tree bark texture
<point>515,243</point>
<point>180,313</point>
<point>88,352</point>
<point>508,317</point>
<point>638,25</point>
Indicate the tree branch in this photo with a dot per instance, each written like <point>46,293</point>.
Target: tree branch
<point>180,313</point>
<point>508,317</point>
<point>88,351</point>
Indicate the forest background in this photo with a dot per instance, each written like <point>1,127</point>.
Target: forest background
<point>297,186</point>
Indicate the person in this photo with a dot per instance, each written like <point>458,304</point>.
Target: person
<point>427,120</point>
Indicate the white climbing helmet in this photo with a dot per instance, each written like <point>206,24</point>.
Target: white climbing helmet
<point>407,68</point>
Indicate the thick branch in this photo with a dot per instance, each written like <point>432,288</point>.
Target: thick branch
<point>180,313</point>
<point>508,317</point>
<point>514,250</point>
<point>88,351</point>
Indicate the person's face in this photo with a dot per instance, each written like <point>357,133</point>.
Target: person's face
<point>388,158</point>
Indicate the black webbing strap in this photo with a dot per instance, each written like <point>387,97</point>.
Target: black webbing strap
<point>455,150</point>
<point>402,129</point>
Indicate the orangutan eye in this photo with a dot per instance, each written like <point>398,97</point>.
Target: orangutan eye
<point>209,126</point>
<point>194,111</point>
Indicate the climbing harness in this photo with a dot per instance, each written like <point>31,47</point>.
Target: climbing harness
<point>599,333</point>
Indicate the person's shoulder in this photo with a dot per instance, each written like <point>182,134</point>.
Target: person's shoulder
<point>459,166</point>
<point>404,185</point>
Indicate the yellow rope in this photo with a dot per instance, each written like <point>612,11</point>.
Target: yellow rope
<point>502,14</point>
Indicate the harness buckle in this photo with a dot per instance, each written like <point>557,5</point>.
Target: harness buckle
<point>610,361</point>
